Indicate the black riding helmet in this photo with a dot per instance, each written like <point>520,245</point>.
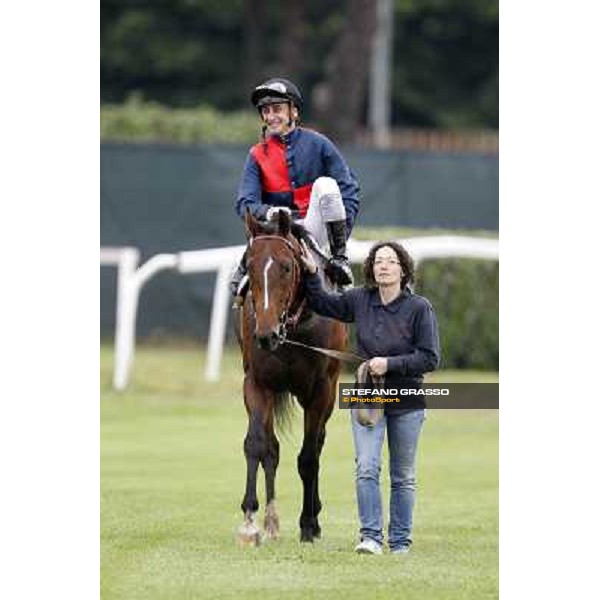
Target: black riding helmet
<point>276,90</point>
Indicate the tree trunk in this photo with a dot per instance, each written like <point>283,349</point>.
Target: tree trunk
<point>254,43</point>
<point>380,99</point>
<point>338,100</point>
<point>293,48</point>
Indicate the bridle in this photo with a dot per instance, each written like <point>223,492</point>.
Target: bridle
<point>287,322</point>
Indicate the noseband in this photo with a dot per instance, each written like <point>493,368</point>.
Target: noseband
<point>285,321</point>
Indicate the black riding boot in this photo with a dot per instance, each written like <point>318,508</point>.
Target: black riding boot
<point>239,282</point>
<point>338,268</point>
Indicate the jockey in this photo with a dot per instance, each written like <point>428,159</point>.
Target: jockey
<point>300,171</point>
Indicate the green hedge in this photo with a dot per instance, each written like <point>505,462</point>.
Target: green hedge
<point>141,121</point>
<point>464,293</point>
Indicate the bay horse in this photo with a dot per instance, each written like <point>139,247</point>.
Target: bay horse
<point>274,313</point>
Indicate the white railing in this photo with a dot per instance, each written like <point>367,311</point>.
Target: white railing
<point>222,261</point>
<point>130,280</point>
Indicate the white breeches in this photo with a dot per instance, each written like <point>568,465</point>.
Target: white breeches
<point>326,205</point>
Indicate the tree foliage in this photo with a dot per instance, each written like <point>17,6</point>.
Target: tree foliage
<point>185,53</point>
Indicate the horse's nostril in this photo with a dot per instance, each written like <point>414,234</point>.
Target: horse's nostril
<point>267,342</point>
<point>263,342</point>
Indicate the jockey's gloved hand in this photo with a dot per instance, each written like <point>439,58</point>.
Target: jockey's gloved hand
<point>273,212</point>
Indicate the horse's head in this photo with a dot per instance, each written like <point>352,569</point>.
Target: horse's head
<point>275,273</point>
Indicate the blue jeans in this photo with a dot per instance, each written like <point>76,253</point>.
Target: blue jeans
<point>403,429</point>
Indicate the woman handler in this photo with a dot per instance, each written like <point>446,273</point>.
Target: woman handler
<point>397,331</point>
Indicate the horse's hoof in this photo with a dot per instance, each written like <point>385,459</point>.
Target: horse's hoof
<point>271,530</point>
<point>271,522</point>
<point>248,535</point>
<point>310,531</point>
<point>307,535</point>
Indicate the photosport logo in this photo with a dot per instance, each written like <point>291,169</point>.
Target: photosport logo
<point>431,395</point>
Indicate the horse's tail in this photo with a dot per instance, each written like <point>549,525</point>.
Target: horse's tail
<point>284,412</point>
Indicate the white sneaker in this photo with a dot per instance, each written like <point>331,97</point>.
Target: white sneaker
<point>368,546</point>
<point>401,550</point>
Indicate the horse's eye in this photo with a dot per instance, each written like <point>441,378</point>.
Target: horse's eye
<point>286,268</point>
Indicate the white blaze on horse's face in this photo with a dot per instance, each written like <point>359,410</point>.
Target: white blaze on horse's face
<point>266,282</point>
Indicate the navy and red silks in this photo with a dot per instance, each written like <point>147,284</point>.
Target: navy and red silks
<point>282,172</point>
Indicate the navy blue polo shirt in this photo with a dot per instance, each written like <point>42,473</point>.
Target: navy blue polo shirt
<point>404,331</point>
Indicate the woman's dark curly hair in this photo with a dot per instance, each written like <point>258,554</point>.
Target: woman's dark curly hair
<point>406,263</point>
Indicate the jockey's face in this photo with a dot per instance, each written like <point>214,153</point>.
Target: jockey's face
<point>277,117</point>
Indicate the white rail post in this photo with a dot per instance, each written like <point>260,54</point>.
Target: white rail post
<point>218,324</point>
<point>126,260</point>
<point>127,303</point>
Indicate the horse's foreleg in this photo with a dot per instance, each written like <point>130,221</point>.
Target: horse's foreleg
<point>255,450</point>
<point>270,463</point>
<point>248,533</point>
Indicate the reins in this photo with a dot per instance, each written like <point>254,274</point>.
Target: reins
<point>348,357</point>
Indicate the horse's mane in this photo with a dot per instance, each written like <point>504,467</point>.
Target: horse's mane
<point>272,228</point>
<point>268,227</point>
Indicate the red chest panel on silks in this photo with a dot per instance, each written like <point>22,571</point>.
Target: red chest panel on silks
<point>302,198</point>
<point>274,172</point>
<point>275,177</point>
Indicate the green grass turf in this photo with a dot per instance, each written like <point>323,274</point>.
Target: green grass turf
<point>172,479</point>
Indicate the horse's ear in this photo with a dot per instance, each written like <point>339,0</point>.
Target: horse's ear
<point>284,223</point>
<point>252,225</point>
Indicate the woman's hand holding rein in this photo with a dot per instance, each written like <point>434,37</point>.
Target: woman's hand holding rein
<point>378,366</point>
